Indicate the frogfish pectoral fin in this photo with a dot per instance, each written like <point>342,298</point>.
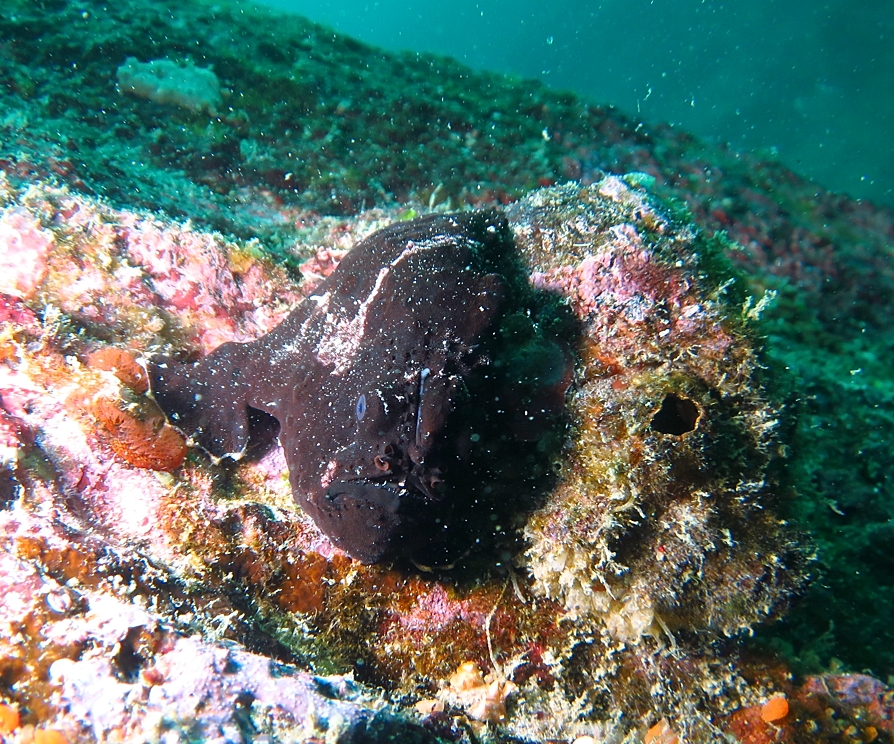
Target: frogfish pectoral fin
<point>206,402</point>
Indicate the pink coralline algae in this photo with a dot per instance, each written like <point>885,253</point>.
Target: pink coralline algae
<point>852,696</point>
<point>107,268</point>
<point>436,611</point>
<point>191,275</point>
<point>23,254</point>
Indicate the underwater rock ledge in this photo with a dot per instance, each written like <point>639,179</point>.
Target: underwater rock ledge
<point>607,610</point>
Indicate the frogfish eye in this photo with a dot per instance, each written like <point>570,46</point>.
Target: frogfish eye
<point>360,407</point>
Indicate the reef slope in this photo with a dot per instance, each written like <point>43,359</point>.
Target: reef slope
<point>720,386</point>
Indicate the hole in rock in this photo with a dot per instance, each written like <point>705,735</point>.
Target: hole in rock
<point>676,416</point>
<point>130,659</point>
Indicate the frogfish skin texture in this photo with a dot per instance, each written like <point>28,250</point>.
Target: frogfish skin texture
<point>368,384</point>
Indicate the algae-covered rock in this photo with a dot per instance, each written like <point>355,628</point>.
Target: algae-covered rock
<point>663,518</point>
<point>666,488</point>
<point>598,598</point>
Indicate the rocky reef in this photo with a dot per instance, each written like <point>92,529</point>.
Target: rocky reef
<point>604,602</point>
<point>663,519</point>
<point>708,451</point>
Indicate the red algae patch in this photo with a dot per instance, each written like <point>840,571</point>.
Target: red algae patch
<point>303,586</point>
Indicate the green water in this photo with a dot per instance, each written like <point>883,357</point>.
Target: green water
<point>810,83</point>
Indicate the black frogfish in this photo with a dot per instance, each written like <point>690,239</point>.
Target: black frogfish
<point>378,385</point>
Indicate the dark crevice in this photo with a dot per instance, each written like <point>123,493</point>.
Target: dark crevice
<point>677,415</point>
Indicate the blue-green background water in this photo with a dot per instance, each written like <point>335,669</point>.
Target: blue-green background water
<point>812,82</point>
